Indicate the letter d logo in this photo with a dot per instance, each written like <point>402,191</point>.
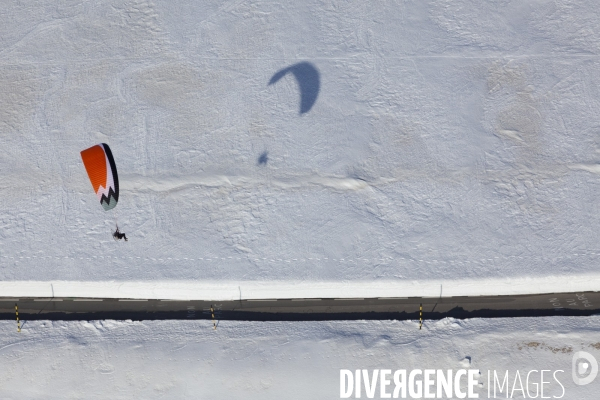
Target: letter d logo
<point>585,368</point>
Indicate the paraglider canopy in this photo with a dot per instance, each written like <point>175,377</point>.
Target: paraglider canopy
<point>102,171</point>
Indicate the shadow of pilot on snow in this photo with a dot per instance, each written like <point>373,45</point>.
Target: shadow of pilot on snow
<point>263,158</point>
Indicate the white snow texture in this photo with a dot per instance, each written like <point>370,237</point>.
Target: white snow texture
<point>448,140</point>
<point>283,360</point>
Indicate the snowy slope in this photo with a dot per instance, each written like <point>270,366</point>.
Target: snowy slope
<point>189,360</point>
<point>449,140</point>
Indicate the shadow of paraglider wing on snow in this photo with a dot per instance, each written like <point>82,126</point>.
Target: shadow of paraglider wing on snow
<point>309,83</point>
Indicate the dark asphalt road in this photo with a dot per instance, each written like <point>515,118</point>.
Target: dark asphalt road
<point>585,303</point>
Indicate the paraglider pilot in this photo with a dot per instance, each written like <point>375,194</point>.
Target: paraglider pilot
<point>118,235</point>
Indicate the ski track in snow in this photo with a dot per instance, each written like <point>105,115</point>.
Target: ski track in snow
<point>170,184</point>
<point>279,260</point>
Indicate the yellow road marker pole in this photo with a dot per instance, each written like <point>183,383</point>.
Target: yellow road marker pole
<point>420,316</point>
<point>212,312</point>
<point>18,322</point>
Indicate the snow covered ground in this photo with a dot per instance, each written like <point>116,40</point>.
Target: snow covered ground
<point>219,290</point>
<point>189,360</point>
<point>449,143</point>
<point>448,140</point>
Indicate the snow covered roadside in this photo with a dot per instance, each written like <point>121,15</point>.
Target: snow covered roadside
<point>187,290</point>
<point>190,360</point>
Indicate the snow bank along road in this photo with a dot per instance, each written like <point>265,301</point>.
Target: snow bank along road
<point>58,308</point>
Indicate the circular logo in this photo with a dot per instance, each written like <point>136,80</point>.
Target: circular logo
<point>585,368</point>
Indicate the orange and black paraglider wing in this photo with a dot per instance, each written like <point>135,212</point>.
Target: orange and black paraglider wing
<point>102,171</point>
